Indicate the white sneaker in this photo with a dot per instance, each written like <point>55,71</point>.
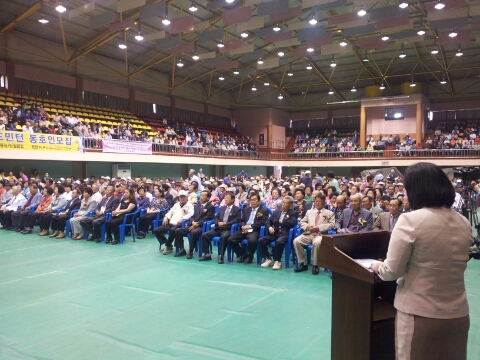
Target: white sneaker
<point>267,263</point>
<point>277,265</point>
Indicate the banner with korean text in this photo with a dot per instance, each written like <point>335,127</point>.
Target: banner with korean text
<point>127,147</point>
<point>12,140</point>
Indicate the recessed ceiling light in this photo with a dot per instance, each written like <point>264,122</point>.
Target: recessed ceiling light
<point>362,11</point>
<point>440,5</point>
<point>60,8</point>
<point>166,21</point>
<point>281,53</point>
<point>193,7</point>
<point>403,5</point>
<point>277,28</point>
<point>385,37</point>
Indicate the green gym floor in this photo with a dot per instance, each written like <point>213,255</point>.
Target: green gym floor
<point>64,299</point>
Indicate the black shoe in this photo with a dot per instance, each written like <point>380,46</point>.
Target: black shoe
<point>7,228</point>
<point>108,241</point>
<point>19,229</point>
<point>180,253</point>
<point>248,260</point>
<point>115,242</point>
<point>315,270</point>
<point>205,257</point>
<point>220,260</point>
<point>189,256</point>
<point>98,241</point>
<point>91,238</point>
<point>25,232</point>
<point>302,267</point>
<point>242,259</point>
<point>141,235</point>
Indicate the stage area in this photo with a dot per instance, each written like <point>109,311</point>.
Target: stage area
<point>64,299</point>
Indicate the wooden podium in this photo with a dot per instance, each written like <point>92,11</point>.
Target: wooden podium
<point>363,316</point>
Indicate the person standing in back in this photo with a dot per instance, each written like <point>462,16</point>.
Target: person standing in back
<point>427,255</point>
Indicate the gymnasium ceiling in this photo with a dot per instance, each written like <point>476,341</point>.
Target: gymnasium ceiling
<point>95,27</point>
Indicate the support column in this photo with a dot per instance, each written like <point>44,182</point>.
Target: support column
<point>184,170</point>
<point>419,123</point>
<point>269,137</point>
<point>132,104</point>
<point>363,127</point>
<point>79,85</point>
<point>212,171</point>
<point>10,70</point>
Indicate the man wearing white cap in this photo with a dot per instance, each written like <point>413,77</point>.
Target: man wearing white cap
<point>182,210</point>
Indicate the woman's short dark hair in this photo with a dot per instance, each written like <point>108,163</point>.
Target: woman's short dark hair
<point>428,186</point>
<point>331,175</point>
<point>301,190</point>
<point>60,189</point>
<point>49,190</point>
<point>89,191</point>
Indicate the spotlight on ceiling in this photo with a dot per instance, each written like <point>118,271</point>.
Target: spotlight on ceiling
<point>195,57</point>
<point>403,5</point>
<point>333,63</point>
<point>60,8</point>
<point>280,97</point>
<point>385,37</point>
<point>260,61</point>
<point>343,42</point>
<point>221,78</point>
<point>310,49</point>
<point>277,28</point>
<point>382,87</point>
<point>362,11</point>
<point>402,55</point>
<point>434,51</point>
<point>244,34</point>
<point>43,19</point>
<point>266,84</point>
<point>421,31</point>
<point>220,44</point>
<point>313,19</point>
<point>254,88</point>
<point>443,81</point>
<point>236,72</point>
<point>290,73</point>
<point>453,33</point>
<point>459,52</point>
<point>180,63</point>
<point>281,53</point>
<point>122,45</point>
<point>353,89</point>
<point>166,21</point>
<point>229,1</point>
<point>309,67</point>
<point>139,37</point>
<point>412,84</point>
<point>331,92</point>
<point>193,7</point>
<point>439,5</point>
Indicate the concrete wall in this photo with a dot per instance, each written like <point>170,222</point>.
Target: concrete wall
<point>376,123</point>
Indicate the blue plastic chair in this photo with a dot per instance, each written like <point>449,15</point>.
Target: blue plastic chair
<point>216,240</point>
<point>288,246</point>
<point>244,243</point>
<point>310,246</point>
<point>137,219</point>
<point>68,228</point>
<point>103,228</point>
<point>155,222</point>
<point>128,222</point>
<point>217,209</point>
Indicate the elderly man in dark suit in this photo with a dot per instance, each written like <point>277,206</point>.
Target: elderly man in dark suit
<point>387,220</point>
<point>254,217</point>
<point>226,217</point>
<point>278,226</point>
<point>203,212</point>
<point>355,219</point>
<point>59,221</point>
<point>93,224</point>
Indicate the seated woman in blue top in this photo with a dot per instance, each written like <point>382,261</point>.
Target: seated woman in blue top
<point>127,205</point>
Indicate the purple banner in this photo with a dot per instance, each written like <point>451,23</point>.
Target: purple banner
<point>127,147</point>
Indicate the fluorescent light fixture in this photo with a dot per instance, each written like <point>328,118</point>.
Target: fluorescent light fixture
<point>281,53</point>
<point>453,33</point>
<point>43,20</point>
<point>260,61</point>
<point>280,96</point>
<point>180,63</point>
<point>60,8</point>
<point>362,11</point>
<point>277,28</point>
<point>403,5</point>
<point>397,115</point>
<point>310,49</point>
<point>254,88</point>
<point>122,45</point>
<point>421,31</point>
<point>166,21</point>
<point>434,51</point>
<point>353,89</point>
<point>193,7</point>
<point>440,5</point>
<point>343,42</point>
<point>195,57</point>
<point>309,67</point>
<point>459,52</point>
<point>244,34</point>
<point>236,72</point>
<point>221,78</point>
<point>382,87</point>
<point>331,92</point>
<point>385,37</point>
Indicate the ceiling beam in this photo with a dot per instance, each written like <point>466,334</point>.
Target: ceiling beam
<point>31,10</point>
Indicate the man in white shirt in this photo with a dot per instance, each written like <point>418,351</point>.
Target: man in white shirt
<point>182,210</point>
<point>96,196</point>
<point>18,200</point>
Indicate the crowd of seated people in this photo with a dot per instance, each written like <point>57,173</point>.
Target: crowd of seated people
<point>315,205</point>
<point>456,136</point>
<point>328,142</point>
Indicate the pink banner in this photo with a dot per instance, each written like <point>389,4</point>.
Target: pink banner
<point>179,25</point>
<point>127,147</point>
<point>389,23</point>
<point>185,48</point>
<point>278,37</point>
<point>227,65</point>
<point>371,43</point>
<point>449,4</point>
<point>463,36</point>
<point>235,44</point>
<point>326,39</point>
<point>237,16</point>
<point>292,13</point>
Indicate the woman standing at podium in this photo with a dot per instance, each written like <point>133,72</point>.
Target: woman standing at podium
<point>427,255</point>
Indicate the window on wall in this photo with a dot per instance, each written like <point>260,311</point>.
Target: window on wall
<point>3,82</point>
<point>154,108</point>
